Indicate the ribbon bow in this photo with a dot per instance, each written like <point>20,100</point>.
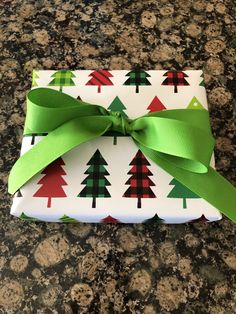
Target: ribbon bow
<point>179,141</point>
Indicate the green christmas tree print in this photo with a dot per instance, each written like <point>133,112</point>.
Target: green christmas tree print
<point>62,78</point>
<point>195,104</point>
<point>200,219</point>
<point>23,216</point>
<point>66,219</point>
<point>117,106</point>
<point>34,77</point>
<point>137,78</point>
<point>181,191</point>
<point>96,181</point>
<point>202,82</point>
<point>155,219</point>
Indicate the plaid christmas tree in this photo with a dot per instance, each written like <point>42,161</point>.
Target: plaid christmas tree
<point>175,78</point>
<point>34,77</point>
<point>202,82</point>
<point>62,78</point>
<point>139,181</point>
<point>95,182</point>
<point>100,78</point>
<point>66,219</point>
<point>137,78</point>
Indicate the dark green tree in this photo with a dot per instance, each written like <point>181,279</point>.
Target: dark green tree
<point>96,181</point>
<point>202,82</point>
<point>137,78</point>
<point>116,105</point>
<point>181,191</point>
<point>200,219</point>
<point>155,219</point>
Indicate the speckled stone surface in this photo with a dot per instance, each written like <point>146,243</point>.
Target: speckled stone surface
<point>92,268</point>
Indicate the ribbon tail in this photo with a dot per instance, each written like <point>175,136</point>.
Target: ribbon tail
<point>211,186</point>
<point>54,145</point>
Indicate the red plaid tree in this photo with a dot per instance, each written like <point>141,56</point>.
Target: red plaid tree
<point>52,181</point>
<point>109,219</point>
<point>100,78</point>
<point>156,105</point>
<point>139,181</point>
<point>175,78</point>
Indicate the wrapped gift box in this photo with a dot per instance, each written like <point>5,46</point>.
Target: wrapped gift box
<point>109,179</point>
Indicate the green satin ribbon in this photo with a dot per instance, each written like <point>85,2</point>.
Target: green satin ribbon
<point>179,141</point>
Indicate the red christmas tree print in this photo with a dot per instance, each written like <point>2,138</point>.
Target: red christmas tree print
<point>100,78</point>
<point>52,181</point>
<point>156,105</point>
<point>175,78</point>
<point>139,181</point>
<point>109,219</point>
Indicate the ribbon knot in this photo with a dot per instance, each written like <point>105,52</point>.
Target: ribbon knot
<point>120,123</point>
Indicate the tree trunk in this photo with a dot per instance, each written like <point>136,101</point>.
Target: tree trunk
<point>32,140</point>
<point>176,90</point>
<point>184,203</point>
<point>60,89</point>
<point>139,202</point>
<point>99,88</point>
<point>49,202</point>
<point>94,202</point>
<point>115,140</point>
<point>137,89</point>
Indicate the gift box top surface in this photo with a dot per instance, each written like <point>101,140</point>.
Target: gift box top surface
<point>109,179</point>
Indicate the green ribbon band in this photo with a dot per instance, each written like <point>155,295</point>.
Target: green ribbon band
<point>179,141</point>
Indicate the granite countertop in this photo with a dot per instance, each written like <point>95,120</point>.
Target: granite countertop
<point>92,268</point>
